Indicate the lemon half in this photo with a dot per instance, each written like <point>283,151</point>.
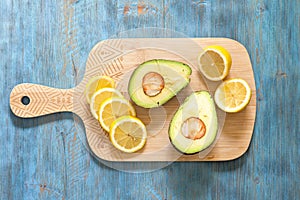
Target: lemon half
<point>215,62</point>
<point>233,95</point>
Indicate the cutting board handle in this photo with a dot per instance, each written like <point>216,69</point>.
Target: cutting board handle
<point>32,100</point>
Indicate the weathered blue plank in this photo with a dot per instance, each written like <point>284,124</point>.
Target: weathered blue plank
<point>47,42</point>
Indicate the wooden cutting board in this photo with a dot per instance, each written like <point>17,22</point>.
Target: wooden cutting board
<point>118,58</point>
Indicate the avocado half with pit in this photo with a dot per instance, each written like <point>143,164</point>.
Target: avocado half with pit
<point>194,126</point>
<point>155,82</point>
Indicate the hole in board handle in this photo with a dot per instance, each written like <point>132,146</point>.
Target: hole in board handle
<point>25,100</point>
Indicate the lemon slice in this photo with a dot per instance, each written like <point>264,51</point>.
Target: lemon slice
<point>233,95</point>
<point>128,134</point>
<point>113,108</point>
<point>96,83</point>
<point>100,96</point>
<point>215,62</point>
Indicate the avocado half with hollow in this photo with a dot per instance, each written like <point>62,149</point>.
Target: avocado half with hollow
<point>194,126</point>
<point>155,82</point>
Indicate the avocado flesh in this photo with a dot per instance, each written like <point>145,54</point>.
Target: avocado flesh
<point>200,105</point>
<point>176,77</point>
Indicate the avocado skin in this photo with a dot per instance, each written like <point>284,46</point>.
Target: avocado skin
<point>182,152</point>
<point>211,133</point>
<point>176,69</point>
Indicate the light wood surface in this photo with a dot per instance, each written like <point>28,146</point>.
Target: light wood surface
<point>43,100</point>
<point>118,58</point>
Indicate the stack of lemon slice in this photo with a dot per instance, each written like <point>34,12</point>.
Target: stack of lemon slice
<point>116,114</point>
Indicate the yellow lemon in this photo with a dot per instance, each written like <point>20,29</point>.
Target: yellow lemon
<point>215,62</point>
<point>113,108</point>
<point>128,134</point>
<point>233,95</point>
<point>96,83</point>
<point>99,97</point>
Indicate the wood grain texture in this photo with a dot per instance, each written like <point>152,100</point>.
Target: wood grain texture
<point>47,42</point>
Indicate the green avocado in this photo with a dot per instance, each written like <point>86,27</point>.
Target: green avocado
<point>155,82</point>
<point>194,126</point>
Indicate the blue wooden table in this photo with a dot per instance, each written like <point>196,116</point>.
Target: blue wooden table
<point>47,42</point>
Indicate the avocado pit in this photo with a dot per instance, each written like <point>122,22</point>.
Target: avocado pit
<point>153,83</point>
<point>193,128</point>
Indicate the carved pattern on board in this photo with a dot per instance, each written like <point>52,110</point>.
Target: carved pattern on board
<point>43,100</point>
